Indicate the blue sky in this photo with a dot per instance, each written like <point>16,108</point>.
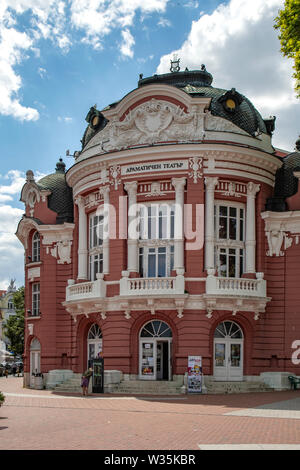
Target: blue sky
<point>59,57</point>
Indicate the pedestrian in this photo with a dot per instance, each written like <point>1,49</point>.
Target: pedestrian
<point>6,372</point>
<point>14,370</point>
<point>85,381</point>
<point>18,371</point>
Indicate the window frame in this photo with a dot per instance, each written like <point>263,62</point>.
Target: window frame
<point>95,244</point>
<point>35,299</point>
<point>230,247</point>
<point>156,228</point>
<point>36,247</point>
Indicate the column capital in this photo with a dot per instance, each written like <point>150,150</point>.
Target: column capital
<point>252,189</point>
<point>104,191</point>
<point>131,187</point>
<point>211,182</point>
<point>179,183</point>
<point>79,201</point>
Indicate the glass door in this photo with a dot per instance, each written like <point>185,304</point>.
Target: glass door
<point>220,360</point>
<point>148,359</point>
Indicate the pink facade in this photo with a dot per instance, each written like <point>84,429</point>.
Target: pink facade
<point>180,237</point>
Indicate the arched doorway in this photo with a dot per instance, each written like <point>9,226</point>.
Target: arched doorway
<point>155,351</point>
<point>94,343</point>
<point>35,359</point>
<point>228,352</point>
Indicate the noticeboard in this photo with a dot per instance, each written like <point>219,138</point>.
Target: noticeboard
<point>98,375</point>
<point>194,374</point>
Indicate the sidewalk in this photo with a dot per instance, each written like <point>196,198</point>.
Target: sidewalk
<point>40,419</point>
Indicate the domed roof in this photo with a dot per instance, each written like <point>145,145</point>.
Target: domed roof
<point>60,199</point>
<point>241,111</point>
<point>227,104</point>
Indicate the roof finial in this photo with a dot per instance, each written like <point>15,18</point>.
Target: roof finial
<point>60,166</point>
<point>298,144</point>
<point>175,64</point>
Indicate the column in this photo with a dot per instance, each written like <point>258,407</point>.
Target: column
<point>179,184</point>
<point>82,239</point>
<point>132,239</point>
<point>210,184</point>
<point>250,242</point>
<point>105,192</point>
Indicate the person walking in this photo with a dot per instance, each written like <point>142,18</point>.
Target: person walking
<point>86,380</point>
<point>6,372</point>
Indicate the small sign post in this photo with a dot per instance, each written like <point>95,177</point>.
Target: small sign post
<point>195,374</point>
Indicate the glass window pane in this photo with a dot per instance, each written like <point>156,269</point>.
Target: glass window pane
<point>232,229</point>
<point>161,265</point>
<point>235,355</point>
<point>151,265</point>
<point>220,355</point>
<point>222,227</point>
<point>232,212</point>
<point>223,211</point>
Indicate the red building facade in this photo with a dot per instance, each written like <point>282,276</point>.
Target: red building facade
<point>175,233</point>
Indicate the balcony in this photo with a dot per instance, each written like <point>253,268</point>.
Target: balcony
<point>151,285</point>
<point>230,286</point>
<point>91,290</point>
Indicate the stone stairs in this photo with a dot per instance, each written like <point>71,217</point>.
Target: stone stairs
<point>160,387</point>
<point>149,387</point>
<point>72,385</point>
<point>236,387</point>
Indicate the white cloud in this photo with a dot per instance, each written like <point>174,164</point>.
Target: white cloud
<point>128,43</point>
<point>65,119</point>
<point>164,23</point>
<point>42,72</point>
<point>239,46</point>
<point>100,18</point>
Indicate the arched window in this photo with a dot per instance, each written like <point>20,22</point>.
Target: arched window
<point>36,247</point>
<point>94,342</point>
<point>156,329</point>
<point>228,329</point>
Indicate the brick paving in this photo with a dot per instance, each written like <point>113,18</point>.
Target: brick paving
<point>41,420</point>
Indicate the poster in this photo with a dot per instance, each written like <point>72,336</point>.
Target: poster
<point>195,374</point>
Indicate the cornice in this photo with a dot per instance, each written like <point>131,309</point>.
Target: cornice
<point>217,159</point>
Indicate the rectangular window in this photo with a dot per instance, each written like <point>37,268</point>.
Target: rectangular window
<point>156,261</point>
<point>229,238</point>
<point>96,230</point>
<point>96,223</point>
<point>156,221</point>
<point>35,299</point>
<point>96,265</point>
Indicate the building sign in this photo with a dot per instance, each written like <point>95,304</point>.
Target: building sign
<point>150,167</point>
<point>195,374</point>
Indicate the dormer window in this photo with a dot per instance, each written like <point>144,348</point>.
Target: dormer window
<point>36,247</point>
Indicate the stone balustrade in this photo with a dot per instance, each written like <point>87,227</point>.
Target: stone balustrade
<point>236,286</point>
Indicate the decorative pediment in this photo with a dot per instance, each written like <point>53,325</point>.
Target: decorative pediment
<point>151,122</point>
<point>31,193</point>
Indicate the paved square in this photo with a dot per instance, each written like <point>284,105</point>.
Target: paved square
<point>40,419</point>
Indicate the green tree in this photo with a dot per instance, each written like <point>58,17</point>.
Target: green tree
<point>288,22</point>
<point>14,326</point>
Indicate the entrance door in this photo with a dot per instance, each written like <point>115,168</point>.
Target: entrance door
<point>228,352</point>
<point>155,351</point>
<point>94,343</point>
<point>35,359</point>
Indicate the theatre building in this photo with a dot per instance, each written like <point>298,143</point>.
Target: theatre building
<point>175,233</point>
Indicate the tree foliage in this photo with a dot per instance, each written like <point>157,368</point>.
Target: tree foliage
<point>14,326</point>
<point>288,23</point>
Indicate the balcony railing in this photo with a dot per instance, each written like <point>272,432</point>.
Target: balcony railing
<point>151,285</point>
<point>85,290</point>
<point>236,286</point>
